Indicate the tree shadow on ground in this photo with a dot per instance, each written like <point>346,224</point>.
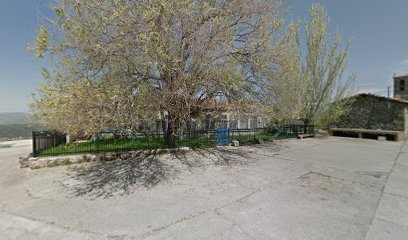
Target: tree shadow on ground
<point>123,177</point>
<point>270,147</point>
<point>118,177</point>
<point>222,156</point>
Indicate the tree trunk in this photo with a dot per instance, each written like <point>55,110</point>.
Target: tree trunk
<point>171,133</point>
<point>306,122</point>
<point>163,123</point>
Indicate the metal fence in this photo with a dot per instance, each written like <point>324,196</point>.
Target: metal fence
<point>111,141</point>
<point>53,144</point>
<point>298,129</point>
<point>46,140</point>
<point>287,131</point>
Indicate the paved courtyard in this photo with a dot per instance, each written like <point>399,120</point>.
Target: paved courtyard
<point>298,189</point>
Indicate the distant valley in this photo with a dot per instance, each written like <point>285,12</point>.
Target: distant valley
<point>15,125</point>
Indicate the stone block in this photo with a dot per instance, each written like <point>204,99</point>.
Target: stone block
<point>382,138</point>
<point>259,141</point>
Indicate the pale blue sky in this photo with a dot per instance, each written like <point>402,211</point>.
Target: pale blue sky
<point>378,28</point>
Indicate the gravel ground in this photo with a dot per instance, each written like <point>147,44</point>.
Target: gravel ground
<point>294,189</point>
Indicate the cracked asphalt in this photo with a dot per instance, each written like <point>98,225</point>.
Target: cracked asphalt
<point>298,189</point>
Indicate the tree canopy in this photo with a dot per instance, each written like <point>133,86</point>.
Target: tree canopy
<point>312,88</point>
<point>119,63</point>
<point>169,56</point>
<point>324,93</point>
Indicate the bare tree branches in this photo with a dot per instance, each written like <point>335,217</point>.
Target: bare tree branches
<point>172,52</point>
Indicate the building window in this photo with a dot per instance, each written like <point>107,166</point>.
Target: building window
<point>209,122</point>
<point>254,123</point>
<point>243,124</point>
<point>234,124</point>
<point>223,122</point>
<point>402,85</point>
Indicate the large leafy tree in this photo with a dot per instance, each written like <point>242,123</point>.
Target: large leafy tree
<point>283,99</point>
<point>323,90</point>
<point>312,88</point>
<point>118,62</point>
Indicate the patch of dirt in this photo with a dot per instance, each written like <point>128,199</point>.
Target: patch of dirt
<point>324,183</point>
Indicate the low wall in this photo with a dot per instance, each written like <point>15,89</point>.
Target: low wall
<point>368,134</point>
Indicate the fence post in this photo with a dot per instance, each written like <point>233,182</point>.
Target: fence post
<point>97,143</point>
<point>208,136</point>
<point>34,145</point>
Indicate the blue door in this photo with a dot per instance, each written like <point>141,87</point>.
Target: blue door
<point>223,136</point>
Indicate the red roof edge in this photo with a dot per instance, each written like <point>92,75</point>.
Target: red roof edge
<point>383,98</point>
<point>402,76</point>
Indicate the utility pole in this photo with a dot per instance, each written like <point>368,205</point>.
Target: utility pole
<point>388,91</point>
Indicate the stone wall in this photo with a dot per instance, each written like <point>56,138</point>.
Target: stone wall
<point>372,112</point>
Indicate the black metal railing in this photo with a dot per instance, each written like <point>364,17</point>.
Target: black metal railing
<point>54,144</point>
<point>46,140</point>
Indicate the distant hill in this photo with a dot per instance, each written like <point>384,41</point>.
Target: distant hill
<point>14,118</point>
<point>15,125</point>
<point>11,131</point>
